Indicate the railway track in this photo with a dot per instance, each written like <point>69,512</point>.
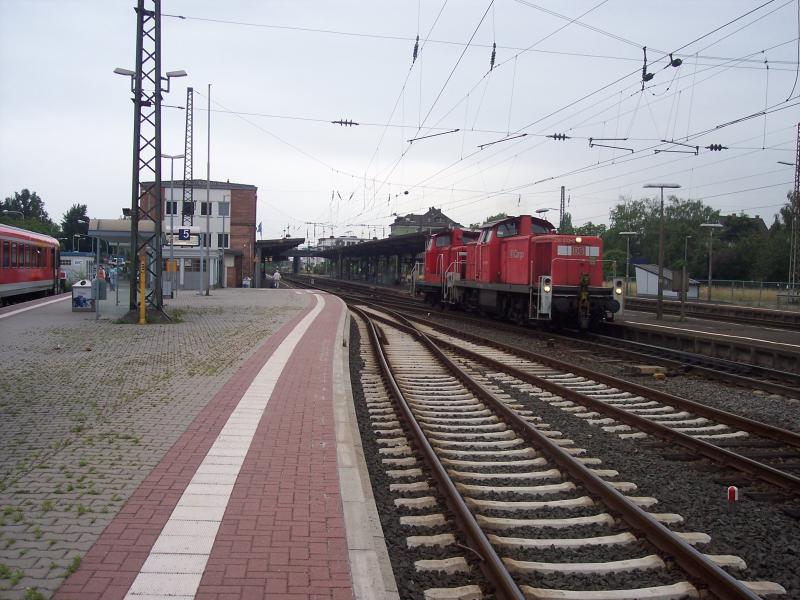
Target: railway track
<point>544,517</point>
<point>742,374</point>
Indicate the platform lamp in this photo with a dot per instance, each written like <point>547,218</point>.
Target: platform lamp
<point>627,235</point>
<point>660,301</point>
<point>711,228</point>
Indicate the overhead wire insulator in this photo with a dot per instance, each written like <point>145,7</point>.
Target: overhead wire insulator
<point>416,51</point>
<point>494,55</point>
<point>674,62</point>
<point>645,75</point>
<point>716,147</point>
<point>559,136</point>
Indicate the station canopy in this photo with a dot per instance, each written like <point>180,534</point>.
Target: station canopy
<point>409,243</point>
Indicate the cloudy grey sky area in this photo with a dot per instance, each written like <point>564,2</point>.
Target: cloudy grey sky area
<point>282,70</point>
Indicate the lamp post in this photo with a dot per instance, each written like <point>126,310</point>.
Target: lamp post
<point>684,275</point>
<point>660,301</point>
<point>172,158</point>
<point>627,235</point>
<point>711,228</point>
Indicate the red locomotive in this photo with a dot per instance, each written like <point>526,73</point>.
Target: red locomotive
<point>29,263</point>
<point>520,269</point>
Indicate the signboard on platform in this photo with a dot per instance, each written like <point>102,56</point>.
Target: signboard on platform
<point>183,237</point>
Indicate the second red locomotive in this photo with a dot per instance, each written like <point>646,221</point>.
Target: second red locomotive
<point>520,269</point>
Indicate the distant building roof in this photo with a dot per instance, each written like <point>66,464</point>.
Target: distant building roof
<point>200,184</point>
<point>434,218</point>
<point>653,269</point>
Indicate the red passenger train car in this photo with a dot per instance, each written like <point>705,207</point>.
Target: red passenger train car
<point>29,263</point>
<point>521,269</point>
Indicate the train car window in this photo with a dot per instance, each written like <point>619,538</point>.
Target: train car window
<point>35,257</point>
<point>507,229</point>
<point>442,241</point>
<point>13,255</point>
<point>27,256</point>
<point>6,254</point>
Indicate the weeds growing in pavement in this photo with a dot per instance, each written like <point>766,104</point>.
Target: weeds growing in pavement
<point>32,593</point>
<point>73,565</point>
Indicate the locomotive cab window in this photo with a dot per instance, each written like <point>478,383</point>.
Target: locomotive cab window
<point>536,228</point>
<point>507,229</point>
<point>442,241</point>
<point>486,236</point>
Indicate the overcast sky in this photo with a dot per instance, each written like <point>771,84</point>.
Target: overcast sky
<point>66,119</point>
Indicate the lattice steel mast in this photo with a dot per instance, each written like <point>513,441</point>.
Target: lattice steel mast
<point>187,209</point>
<point>146,202</point>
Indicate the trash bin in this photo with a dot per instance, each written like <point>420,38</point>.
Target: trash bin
<point>246,282</point>
<point>82,300</point>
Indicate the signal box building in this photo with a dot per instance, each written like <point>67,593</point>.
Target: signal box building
<point>230,215</point>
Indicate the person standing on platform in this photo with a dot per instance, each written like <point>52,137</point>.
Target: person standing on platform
<point>276,279</point>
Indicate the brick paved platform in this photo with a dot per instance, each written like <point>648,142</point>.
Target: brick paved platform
<point>247,502</point>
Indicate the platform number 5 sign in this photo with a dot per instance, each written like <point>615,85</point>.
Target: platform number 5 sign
<point>183,235</point>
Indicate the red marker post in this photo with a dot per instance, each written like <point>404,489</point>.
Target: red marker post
<point>733,497</point>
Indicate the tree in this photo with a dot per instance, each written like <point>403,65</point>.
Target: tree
<point>71,225</point>
<point>591,229</point>
<point>25,209</point>
<point>566,226</point>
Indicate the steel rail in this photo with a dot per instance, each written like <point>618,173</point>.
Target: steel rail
<point>763,429</point>
<point>491,563</point>
<point>686,556</point>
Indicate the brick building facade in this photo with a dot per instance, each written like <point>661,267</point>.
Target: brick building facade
<point>232,224</point>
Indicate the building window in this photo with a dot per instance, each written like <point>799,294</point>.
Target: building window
<point>222,240</point>
<point>205,239</point>
<point>171,208</point>
<point>65,262</point>
<point>191,265</point>
<point>224,209</point>
<point>204,208</point>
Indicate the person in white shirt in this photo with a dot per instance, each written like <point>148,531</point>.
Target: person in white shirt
<point>276,279</point>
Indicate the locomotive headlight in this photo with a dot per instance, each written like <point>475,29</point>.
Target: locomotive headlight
<point>547,288</point>
<point>578,240</point>
<point>618,291</point>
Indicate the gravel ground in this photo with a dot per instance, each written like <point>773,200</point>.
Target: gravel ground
<point>411,585</point>
<point>758,529</point>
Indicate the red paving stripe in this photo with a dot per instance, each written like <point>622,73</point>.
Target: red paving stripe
<point>283,535</point>
<point>111,565</point>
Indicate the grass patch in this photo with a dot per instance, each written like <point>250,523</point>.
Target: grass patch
<point>32,593</point>
<point>73,566</point>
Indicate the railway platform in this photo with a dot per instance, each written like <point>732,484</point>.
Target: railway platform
<point>244,481</point>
